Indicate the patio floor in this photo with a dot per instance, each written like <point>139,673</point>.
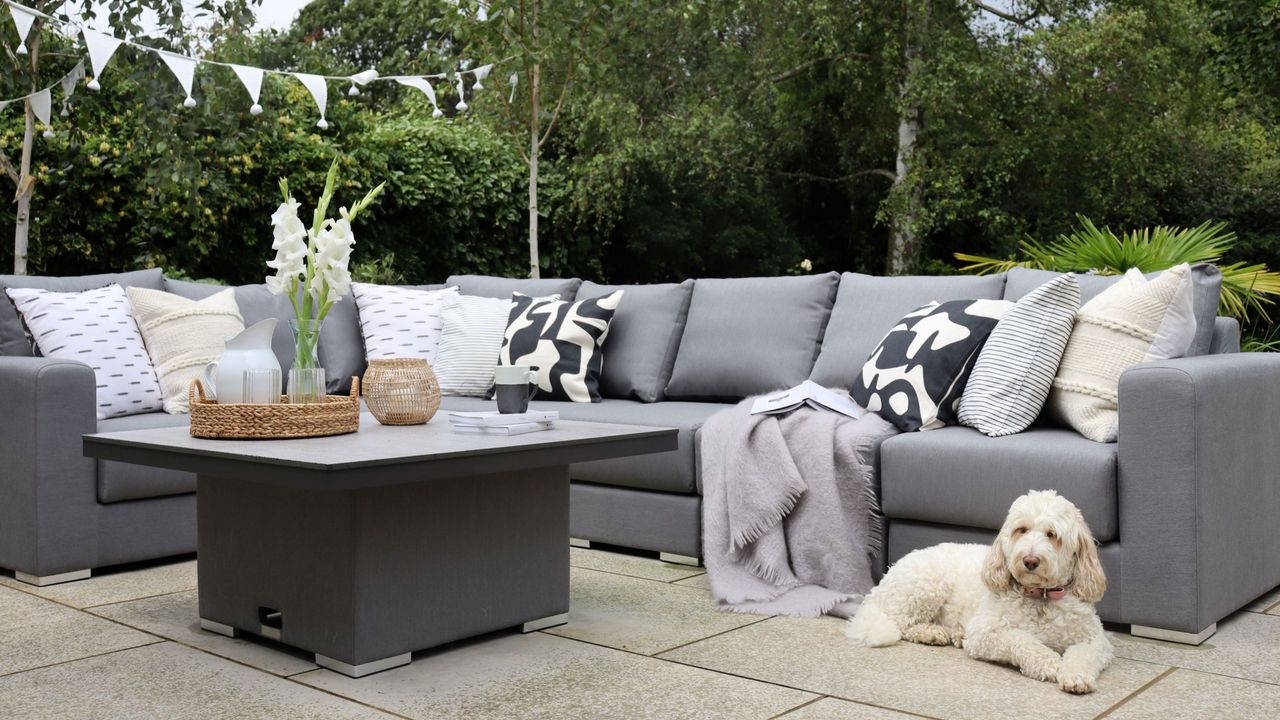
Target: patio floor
<point>642,642</point>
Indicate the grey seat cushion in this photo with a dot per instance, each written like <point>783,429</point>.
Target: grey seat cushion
<point>644,336</point>
<point>118,482</point>
<point>958,476</point>
<point>674,471</point>
<point>868,306</point>
<point>256,304</point>
<point>13,341</point>
<point>747,336</point>
<point>342,343</point>
<point>501,287</point>
<point>1207,288</point>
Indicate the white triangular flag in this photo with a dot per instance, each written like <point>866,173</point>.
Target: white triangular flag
<point>23,18</point>
<point>69,82</point>
<point>425,86</point>
<point>184,68</point>
<point>361,78</point>
<point>483,13</point>
<point>319,91</point>
<point>41,104</point>
<point>101,48</point>
<point>462,98</point>
<point>514,79</point>
<point>481,73</point>
<point>4,104</point>
<point>251,77</point>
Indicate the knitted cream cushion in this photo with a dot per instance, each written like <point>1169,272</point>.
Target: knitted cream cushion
<point>182,336</point>
<point>1133,321</point>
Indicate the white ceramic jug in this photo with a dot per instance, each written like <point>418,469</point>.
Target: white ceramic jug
<point>250,350</point>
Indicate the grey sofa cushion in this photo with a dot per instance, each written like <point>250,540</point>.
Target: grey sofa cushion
<point>13,341</point>
<point>118,482</point>
<point>674,471</point>
<point>643,337</point>
<point>256,304</point>
<point>501,287</point>
<point>868,306</point>
<point>958,476</point>
<point>747,336</point>
<point>1207,281</point>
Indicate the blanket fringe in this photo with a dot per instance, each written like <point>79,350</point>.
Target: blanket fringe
<point>741,540</point>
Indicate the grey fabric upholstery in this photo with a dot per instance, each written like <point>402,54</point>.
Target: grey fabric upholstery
<point>500,287</point>
<point>256,304</point>
<point>1207,281</point>
<point>674,471</point>
<point>121,481</point>
<point>908,535</point>
<point>1226,336</point>
<point>665,522</point>
<point>342,343</point>
<point>867,307</point>
<point>645,333</point>
<point>747,336</point>
<point>958,476</point>
<point>146,529</point>
<point>1199,452</point>
<point>13,341</point>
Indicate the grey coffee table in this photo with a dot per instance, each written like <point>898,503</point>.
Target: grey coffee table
<point>363,548</point>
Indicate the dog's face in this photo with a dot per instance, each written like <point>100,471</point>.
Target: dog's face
<point>1045,543</point>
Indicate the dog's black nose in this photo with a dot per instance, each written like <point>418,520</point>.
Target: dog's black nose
<point>1030,562</point>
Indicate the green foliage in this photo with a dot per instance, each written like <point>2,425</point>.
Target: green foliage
<point>1247,289</point>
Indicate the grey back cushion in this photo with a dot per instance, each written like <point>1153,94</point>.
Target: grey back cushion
<point>256,304</point>
<point>747,336</point>
<point>13,340</point>
<point>868,306</point>
<point>643,338</point>
<point>1207,288</point>
<point>500,287</point>
<point>342,343</point>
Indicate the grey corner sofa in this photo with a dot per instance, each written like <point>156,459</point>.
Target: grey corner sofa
<point>1183,505</point>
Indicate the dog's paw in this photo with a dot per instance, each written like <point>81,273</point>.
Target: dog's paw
<point>1077,683</point>
<point>1045,669</point>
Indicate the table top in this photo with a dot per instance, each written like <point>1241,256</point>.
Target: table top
<point>432,448</point>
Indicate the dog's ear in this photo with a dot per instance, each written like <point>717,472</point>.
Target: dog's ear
<point>995,569</point>
<point>1089,581</point>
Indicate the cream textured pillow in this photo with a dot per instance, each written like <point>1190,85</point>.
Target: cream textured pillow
<point>182,336</point>
<point>1136,320</point>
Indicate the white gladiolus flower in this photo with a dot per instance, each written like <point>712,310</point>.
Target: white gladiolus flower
<point>332,255</point>
<point>290,244</point>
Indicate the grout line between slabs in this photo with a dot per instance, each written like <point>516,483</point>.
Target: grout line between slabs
<point>1215,673</point>
<point>156,641</point>
<point>1135,693</point>
<point>1274,606</point>
<point>137,599</point>
<point>804,704</point>
<point>638,577</point>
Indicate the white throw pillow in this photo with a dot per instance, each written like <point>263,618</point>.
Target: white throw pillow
<point>470,342</point>
<point>401,322</point>
<point>183,335</point>
<point>1135,320</point>
<point>96,328</point>
<point>1014,372</point>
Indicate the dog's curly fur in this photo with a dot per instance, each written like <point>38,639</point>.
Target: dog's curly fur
<point>977,597</point>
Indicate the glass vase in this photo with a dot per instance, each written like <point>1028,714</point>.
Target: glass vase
<point>306,377</point>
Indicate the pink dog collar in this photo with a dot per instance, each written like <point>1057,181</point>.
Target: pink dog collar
<point>1056,593</point>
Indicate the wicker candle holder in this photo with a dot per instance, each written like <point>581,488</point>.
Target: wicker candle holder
<point>401,391</point>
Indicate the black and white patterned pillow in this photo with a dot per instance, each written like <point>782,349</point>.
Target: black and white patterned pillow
<point>915,377</point>
<point>95,327</point>
<point>561,341</point>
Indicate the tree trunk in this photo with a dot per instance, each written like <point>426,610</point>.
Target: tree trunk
<point>904,243</point>
<point>26,183</point>
<point>535,91</point>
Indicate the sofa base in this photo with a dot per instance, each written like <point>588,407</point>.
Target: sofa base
<point>1173,635</point>
<point>677,559</point>
<point>43,580</point>
<point>641,519</point>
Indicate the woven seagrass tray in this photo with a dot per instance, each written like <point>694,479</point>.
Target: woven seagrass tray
<point>338,415</point>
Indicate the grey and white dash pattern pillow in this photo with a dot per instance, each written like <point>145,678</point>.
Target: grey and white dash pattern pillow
<point>915,377</point>
<point>97,328</point>
<point>561,341</point>
<point>1014,372</point>
<point>400,322</point>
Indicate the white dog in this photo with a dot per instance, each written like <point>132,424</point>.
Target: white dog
<point>1027,600</point>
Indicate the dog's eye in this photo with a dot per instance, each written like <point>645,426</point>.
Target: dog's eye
<point>1052,535</point>
<point>1019,531</point>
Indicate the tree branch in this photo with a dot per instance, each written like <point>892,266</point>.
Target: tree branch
<point>568,80</point>
<point>8,168</point>
<point>887,174</point>
<point>1010,17</point>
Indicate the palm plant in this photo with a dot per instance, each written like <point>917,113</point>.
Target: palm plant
<point>1247,289</point>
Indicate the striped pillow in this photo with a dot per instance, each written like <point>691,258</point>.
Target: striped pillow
<point>471,335</point>
<point>1015,370</point>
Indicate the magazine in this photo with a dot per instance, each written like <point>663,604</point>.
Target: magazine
<point>516,429</point>
<point>806,393</point>
<point>493,418</point>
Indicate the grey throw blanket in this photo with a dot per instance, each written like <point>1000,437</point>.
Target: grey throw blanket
<point>789,516</point>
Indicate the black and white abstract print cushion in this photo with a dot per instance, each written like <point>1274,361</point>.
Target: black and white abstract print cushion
<point>915,377</point>
<point>561,341</point>
<point>95,327</point>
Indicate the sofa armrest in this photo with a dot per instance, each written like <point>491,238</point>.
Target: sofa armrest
<point>1199,487</point>
<point>48,499</point>
<point>1226,336</point>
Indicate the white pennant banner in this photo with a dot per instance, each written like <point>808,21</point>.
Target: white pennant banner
<point>101,48</point>
<point>319,91</point>
<point>41,105</point>
<point>23,19</point>
<point>184,68</point>
<point>251,77</point>
<point>69,82</point>
<point>481,73</point>
<point>462,98</point>
<point>514,80</point>
<point>425,86</point>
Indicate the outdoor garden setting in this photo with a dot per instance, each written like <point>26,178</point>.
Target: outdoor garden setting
<point>804,359</point>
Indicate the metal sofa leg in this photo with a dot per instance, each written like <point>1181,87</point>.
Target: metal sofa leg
<point>42,580</point>
<point>679,559</point>
<point>1173,635</point>
<point>579,543</point>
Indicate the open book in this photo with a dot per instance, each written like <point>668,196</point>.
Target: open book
<point>806,393</point>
